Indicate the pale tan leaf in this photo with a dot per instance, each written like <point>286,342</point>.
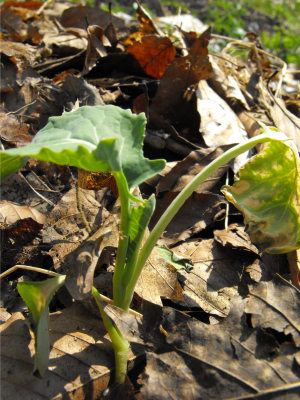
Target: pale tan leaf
<point>219,124</point>
<point>158,280</point>
<point>10,213</point>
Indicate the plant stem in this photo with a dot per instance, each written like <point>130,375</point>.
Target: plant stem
<point>120,345</point>
<point>182,197</point>
<point>118,287</point>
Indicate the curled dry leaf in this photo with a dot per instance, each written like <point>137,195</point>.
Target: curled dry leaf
<point>286,121</point>
<point>10,213</point>
<point>96,42</point>
<point>172,99</point>
<point>226,86</point>
<point>235,237</point>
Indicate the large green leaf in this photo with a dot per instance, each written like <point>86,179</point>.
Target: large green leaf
<point>37,296</point>
<point>267,191</point>
<point>96,139</point>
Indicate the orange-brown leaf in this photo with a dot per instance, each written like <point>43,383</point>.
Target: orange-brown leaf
<point>154,54</point>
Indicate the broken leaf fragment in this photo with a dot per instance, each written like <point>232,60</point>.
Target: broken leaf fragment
<point>267,191</point>
<point>179,262</point>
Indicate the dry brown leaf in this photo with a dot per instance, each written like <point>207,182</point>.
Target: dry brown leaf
<point>184,171</point>
<point>81,357</point>
<point>235,237</point>
<point>97,180</point>
<point>249,120</point>
<point>294,263</point>
<point>219,123</point>
<point>226,86</point>
<point>65,228</point>
<point>75,17</point>
<point>16,27</point>
<point>13,132</point>
<point>64,43</point>
<point>84,260</point>
<point>95,49</point>
<point>158,280</point>
<point>147,25</point>
<point>219,273</point>
<point>198,213</point>
<point>276,305</point>
<point>174,95</point>
<point>230,359</point>
<point>285,121</point>
<point>154,54</point>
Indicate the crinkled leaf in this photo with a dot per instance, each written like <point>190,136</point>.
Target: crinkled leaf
<point>96,139</point>
<point>267,191</point>
<point>179,262</point>
<point>37,296</point>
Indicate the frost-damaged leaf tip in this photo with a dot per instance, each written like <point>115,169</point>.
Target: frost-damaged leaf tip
<point>267,191</point>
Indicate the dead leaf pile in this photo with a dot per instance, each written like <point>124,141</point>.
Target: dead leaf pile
<point>57,57</point>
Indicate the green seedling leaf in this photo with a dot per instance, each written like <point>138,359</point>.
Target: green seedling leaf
<point>37,296</point>
<point>179,262</point>
<point>139,220</point>
<point>96,139</point>
<point>267,191</point>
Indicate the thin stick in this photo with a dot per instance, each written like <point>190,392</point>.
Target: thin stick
<point>44,271</point>
<point>36,269</point>
<point>227,205</point>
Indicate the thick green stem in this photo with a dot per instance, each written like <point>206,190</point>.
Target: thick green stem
<point>120,345</point>
<point>179,201</point>
<point>118,287</point>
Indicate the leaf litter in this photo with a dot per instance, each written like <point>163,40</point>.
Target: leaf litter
<point>51,62</point>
